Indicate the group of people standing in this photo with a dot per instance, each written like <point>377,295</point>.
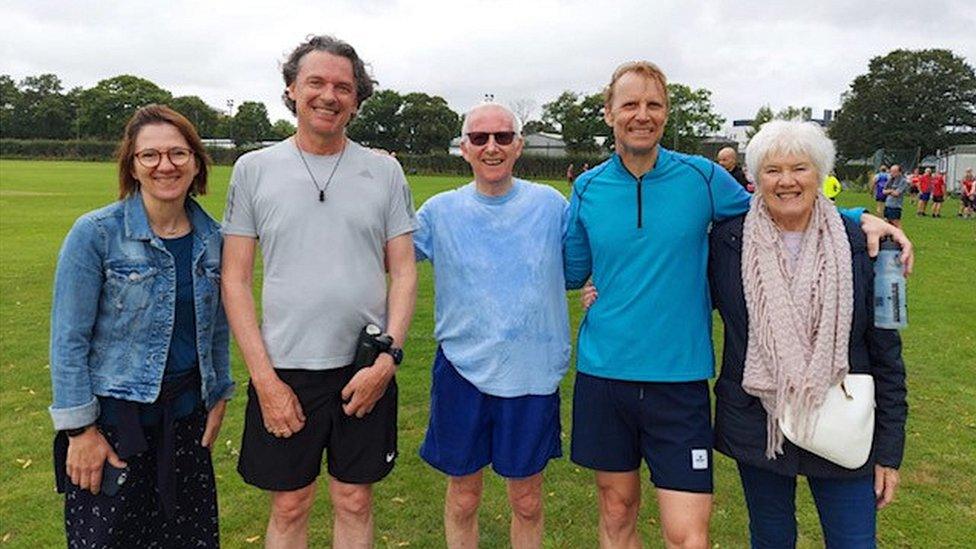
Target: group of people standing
<point>891,186</point>
<point>147,290</point>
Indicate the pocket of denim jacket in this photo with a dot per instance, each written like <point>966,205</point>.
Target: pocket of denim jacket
<point>130,286</point>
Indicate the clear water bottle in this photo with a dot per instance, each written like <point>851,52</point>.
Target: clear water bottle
<point>890,306</point>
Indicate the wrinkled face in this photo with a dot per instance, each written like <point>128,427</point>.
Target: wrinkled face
<point>166,182</point>
<point>727,159</point>
<point>491,163</point>
<point>637,114</point>
<point>324,93</point>
<point>789,184</point>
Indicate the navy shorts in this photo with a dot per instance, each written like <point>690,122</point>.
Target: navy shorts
<point>892,213</point>
<point>469,429</point>
<point>669,425</point>
<point>924,197</point>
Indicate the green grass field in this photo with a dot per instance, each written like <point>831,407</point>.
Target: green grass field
<point>936,505</point>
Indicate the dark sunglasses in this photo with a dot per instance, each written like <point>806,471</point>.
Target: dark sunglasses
<point>481,138</point>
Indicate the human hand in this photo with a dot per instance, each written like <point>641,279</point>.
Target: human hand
<point>87,453</point>
<point>214,418</point>
<point>280,409</point>
<point>886,481</point>
<point>588,295</point>
<point>876,228</point>
<point>367,386</point>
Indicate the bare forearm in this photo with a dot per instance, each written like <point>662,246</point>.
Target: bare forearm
<point>400,302</point>
<point>242,317</point>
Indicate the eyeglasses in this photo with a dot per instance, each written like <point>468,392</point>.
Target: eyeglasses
<point>150,158</point>
<point>481,138</point>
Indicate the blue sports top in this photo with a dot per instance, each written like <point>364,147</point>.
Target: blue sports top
<point>500,298</point>
<point>644,241</point>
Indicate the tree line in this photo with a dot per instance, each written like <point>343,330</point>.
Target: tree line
<point>922,99</point>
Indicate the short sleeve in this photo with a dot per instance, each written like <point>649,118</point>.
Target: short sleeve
<point>401,218</point>
<point>423,237</point>
<point>239,212</point>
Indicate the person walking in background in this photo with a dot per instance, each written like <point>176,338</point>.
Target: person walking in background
<point>894,192</point>
<point>140,370</point>
<point>880,180</point>
<point>938,193</point>
<point>967,194</point>
<point>924,192</point>
<point>570,174</point>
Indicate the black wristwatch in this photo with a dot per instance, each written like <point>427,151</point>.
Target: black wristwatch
<point>396,353</point>
<point>77,430</point>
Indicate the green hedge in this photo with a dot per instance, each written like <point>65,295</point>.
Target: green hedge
<point>50,149</point>
<point>537,167</point>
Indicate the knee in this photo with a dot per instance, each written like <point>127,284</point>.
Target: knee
<point>618,510</point>
<point>292,507</point>
<point>463,500</point>
<point>686,538</point>
<point>352,500</point>
<point>527,506</point>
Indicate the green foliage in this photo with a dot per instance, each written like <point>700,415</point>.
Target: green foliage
<point>89,149</point>
<point>579,118</point>
<point>908,99</point>
<point>251,124</point>
<point>765,114</point>
<point>282,129</point>
<point>690,118</point>
<point>415,123</point>
<point>37,107</point>
<point>204,117</point>
<point>530,167</point>
<point>104,110</point>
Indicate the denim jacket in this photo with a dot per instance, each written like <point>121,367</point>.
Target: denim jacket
<point>113,310</point>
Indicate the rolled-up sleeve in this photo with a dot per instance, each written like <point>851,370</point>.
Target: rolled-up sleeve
<point>78,284</point>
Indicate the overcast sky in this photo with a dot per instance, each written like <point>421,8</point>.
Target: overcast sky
<point>747,53</point>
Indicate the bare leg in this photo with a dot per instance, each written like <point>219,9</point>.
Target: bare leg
<point>684,518</point>
<point>619,495</point>
<point>461,511</point>
<point>525,497</point>
<point>352,510</point>
<point>288,523</point>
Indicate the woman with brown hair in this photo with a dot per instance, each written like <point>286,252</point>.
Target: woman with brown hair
<point>139,350</point>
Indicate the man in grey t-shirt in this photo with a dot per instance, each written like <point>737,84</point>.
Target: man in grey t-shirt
<point>894,192</point>
<point>331,217</point>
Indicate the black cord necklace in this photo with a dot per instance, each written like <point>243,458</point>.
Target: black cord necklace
<point>315,182</point>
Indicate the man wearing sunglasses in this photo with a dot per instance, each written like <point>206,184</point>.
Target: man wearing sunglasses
<point>329,215</point>
<point>502,328</point>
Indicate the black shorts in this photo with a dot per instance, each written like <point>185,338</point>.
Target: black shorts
<point>938,198</point>
<point>359,450</point>
<point>892,213</point>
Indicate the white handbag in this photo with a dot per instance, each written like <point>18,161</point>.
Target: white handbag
<point>844,423</point>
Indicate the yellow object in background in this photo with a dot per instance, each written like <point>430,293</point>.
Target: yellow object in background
<point>831,187</point>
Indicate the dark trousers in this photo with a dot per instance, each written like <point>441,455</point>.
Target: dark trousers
<point>134,516</point>
<point>846,507</point>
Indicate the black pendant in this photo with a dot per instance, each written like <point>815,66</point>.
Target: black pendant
<point>321,195</point>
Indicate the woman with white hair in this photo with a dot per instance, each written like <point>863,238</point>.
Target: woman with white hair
<point>794,286</point>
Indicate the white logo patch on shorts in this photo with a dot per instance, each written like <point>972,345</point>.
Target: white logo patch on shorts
<point>699,458</point>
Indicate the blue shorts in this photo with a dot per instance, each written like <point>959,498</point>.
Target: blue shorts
<point>924,197</point>
<point>469,429</point>
<point>669,425</point>
<point>892,213</point>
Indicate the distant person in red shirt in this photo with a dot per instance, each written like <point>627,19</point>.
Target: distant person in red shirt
<point>938,194</point>
<point>925,191</point>
<point>968,189</point>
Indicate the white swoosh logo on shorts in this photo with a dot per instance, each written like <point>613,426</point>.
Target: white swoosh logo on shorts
<point>390,456</point>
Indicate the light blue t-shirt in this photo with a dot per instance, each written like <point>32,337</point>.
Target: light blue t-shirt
<point>500,302</point>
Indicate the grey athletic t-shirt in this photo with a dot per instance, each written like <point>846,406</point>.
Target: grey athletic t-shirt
<point>899,184</point>
<point>324,271</point>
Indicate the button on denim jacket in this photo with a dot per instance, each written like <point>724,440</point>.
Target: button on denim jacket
<point>113,310</point>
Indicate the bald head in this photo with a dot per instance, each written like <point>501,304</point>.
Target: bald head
<point>727,158</point>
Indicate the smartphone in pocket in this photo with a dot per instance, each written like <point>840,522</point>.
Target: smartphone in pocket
<point>113,478</point>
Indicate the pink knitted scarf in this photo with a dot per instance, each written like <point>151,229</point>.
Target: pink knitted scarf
<point>799,318</point>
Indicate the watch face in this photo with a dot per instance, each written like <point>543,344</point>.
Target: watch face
<point>397,355</point>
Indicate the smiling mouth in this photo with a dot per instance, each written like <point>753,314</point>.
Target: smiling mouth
<point>326,111</point>
<point>493,161</point>
<point>788,195</point>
